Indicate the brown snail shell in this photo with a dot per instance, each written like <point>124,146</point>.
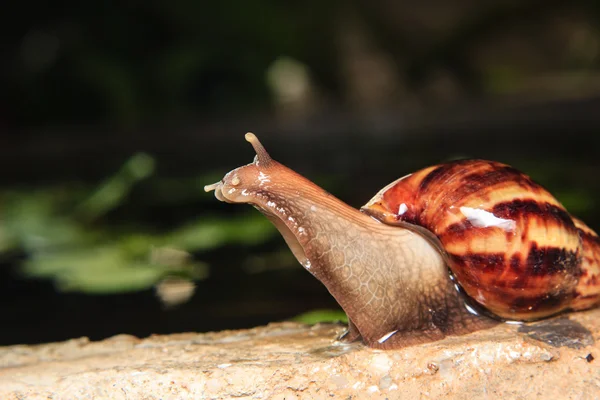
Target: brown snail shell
<point>511,245</point>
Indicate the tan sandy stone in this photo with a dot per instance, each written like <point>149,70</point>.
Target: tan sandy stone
<point>294,361</point>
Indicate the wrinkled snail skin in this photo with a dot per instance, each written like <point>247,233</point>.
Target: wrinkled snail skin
<point>510,246</point>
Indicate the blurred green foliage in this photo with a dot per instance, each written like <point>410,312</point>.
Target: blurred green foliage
<point>60,231</point>
<point>315,316</point>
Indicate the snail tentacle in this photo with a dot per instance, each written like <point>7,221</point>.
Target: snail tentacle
<point>262,157</point>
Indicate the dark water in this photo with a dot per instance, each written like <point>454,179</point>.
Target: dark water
<point>33,311</point>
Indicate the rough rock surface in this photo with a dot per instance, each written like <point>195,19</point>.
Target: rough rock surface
<point>552,359</point>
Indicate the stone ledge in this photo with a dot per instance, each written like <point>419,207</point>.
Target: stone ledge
<point>290,361</point>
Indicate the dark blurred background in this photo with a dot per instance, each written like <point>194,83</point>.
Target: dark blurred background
<point>114,115</point>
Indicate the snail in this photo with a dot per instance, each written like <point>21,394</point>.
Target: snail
<point>447,250</point>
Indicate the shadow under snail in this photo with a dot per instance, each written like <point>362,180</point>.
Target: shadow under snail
<point>447,250</point>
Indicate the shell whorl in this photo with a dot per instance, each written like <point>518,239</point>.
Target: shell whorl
<point>511,245</point>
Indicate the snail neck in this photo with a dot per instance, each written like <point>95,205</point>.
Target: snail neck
<point>388,279</point>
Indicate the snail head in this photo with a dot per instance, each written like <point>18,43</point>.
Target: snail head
<point>244,184</point>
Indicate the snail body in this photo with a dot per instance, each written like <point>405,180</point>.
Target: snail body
<point>447,250</point>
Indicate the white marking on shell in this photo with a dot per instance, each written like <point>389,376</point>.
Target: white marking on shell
<point>484,219</point>
<point>386,336</point>
<point>480,296</point>
<point>306,264</point>
<point>402,209</point>
<point>313,208</point>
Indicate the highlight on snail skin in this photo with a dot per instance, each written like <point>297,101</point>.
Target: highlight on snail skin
<point>504,249</point>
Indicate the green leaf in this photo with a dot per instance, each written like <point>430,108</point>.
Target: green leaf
<point>316,316</point>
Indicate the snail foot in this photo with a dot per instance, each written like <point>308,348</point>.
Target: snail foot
<point>351,334</point>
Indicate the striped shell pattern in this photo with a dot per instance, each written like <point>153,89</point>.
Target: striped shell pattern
<point>512,247</point>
